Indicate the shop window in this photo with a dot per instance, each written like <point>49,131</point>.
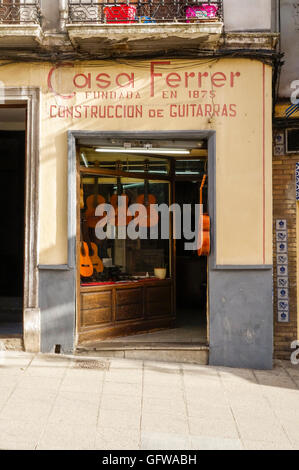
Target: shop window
<point>114,255</point>
<point>105,160</point>
<point>190,167</point>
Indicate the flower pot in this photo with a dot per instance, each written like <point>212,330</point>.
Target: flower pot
<point>203,12</point>
<point>160,273</point>
<point>120,14</point>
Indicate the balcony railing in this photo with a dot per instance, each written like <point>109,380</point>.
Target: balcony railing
<point>20,12</point>
<point>145,11</point>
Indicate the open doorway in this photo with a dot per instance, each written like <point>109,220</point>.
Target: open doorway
<point>191,273</point>
<point>122,295</point>
<point>12,230</point>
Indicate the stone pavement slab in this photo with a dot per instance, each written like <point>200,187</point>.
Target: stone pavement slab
<point>58,402</point>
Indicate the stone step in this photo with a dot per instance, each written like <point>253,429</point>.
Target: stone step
<point>162,352</point>
<point>11,343</point>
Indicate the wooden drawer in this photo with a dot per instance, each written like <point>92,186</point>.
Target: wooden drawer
<point>158,294</point>
<point>91,318</point>
<point>96,300</point>
<point>158,308</point>
<point>128,312</point>
<point>158,301</point>
<point>129,296</point>
<point>129,304</point>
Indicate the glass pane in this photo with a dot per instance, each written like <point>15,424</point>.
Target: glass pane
<point>108,252</point>
<point>124,162</point>
<point>190,167</point>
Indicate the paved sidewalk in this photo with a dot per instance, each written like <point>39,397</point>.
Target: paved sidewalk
<point>53,402</point>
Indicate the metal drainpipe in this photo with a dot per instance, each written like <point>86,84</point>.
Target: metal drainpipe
<point>278,6</point>
<point>63,14</point>
<point>279,21</point>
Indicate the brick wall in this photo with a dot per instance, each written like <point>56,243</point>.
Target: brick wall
<point>284,207</point>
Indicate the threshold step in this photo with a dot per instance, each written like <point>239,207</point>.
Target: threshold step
<point>163,352</point>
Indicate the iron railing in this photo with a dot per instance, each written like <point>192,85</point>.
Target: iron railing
<point>20,12</point>
<point>145,11</point>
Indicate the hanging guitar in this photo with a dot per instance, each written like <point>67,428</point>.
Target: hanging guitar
<point>122,219</point>
<point>86,267</point>
<point>81,197</point>
<point>92,202</point>
<point>204,229</point>
<point>96,261</point>
<point>151,218</point>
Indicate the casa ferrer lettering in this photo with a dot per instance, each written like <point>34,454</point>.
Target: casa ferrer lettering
<point>105,94</point>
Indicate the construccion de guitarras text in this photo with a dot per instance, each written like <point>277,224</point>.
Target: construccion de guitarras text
<point>191,110</point>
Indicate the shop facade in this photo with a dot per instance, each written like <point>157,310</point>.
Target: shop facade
<point>178,110</point>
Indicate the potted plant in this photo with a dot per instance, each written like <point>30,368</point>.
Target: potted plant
<point>204,12</point>
<point>120,13</point>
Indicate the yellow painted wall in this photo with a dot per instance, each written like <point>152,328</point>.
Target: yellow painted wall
<point>244,142</point>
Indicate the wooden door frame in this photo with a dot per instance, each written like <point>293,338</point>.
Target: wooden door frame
<point>30,99</point>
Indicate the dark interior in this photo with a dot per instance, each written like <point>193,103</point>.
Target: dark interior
<point>12,171</point>
<point>191,270</point>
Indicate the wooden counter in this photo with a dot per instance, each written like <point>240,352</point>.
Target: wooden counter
<point>121,309</point>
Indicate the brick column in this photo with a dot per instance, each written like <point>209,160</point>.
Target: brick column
<point>284,207</point>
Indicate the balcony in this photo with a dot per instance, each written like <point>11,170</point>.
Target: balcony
<point>20,24</point>
<point>143,27</point>
<point>146,11</point>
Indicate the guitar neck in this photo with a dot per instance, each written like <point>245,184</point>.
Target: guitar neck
<point>146,192</point>
<point>85,233</point>
<point>201,188</point>
<point>119,187</point>
<point>81,239</point>
<point>146,184</point>
<point>96,192</point>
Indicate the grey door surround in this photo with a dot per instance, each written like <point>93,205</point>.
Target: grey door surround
<point>30,97</point>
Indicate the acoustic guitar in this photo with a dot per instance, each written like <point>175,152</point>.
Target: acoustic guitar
<point>122,218</point>
<point>151,218</point>
<point>204,232</point>
<point>92,202</point>
<point>81,197</point>
<point>86,267</point>
<point>96,261</point>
